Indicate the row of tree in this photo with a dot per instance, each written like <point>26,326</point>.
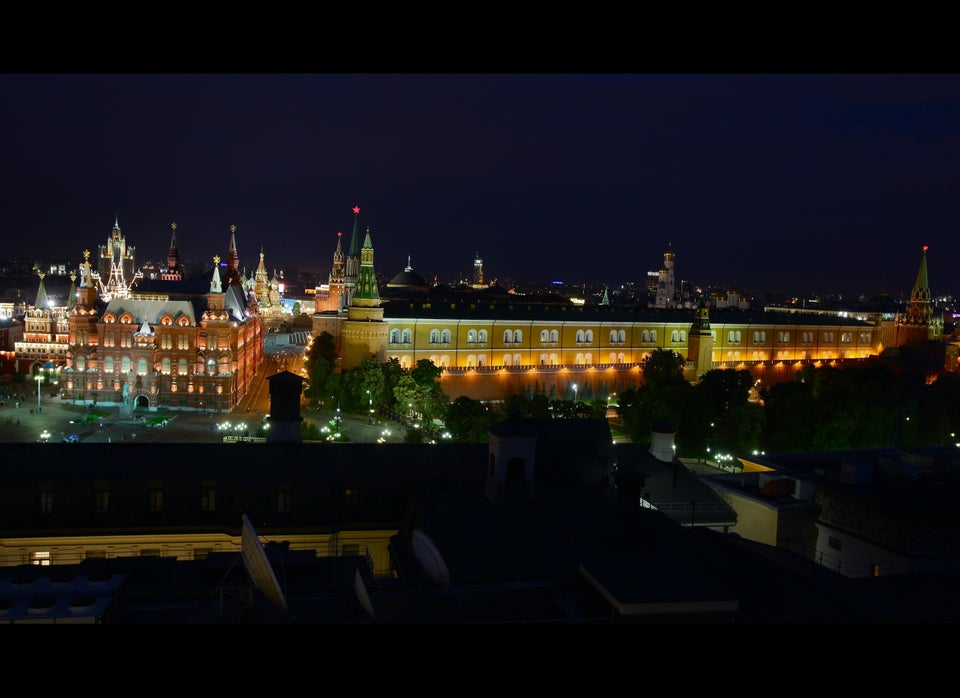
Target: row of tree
<point>823,408</point>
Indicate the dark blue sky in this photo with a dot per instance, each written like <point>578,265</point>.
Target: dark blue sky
<point>767,182</point>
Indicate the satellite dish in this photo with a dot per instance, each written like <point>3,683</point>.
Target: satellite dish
<point>362,596</point>
<point>430,559</point>
<point>258,566</point>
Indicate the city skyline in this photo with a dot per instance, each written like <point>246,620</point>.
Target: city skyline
<point>829,183</point>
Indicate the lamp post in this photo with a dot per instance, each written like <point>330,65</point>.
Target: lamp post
<point>574,393</point>
<point>39,378</point>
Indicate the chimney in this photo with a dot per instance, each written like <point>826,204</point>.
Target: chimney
<point>661,441</point>
<point>284,424</point>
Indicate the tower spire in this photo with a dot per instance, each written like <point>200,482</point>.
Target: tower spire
<point>919,323</point>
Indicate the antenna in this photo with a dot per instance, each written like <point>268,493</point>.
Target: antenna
<point>258,566</point>
<point>430,559</point>
<point>362,596</point>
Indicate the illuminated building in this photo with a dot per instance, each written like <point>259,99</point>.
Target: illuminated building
<point>171,345</point>
<point>45,342</point>
<point>491,344</point>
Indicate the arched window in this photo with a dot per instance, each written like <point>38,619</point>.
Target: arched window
<point>125,364</point>
<point>544,336</point>
<point>613,357</point>
<point>81,363</point>
<point>182,369</point>
<point>517,360</point>
<point>506,360</point>
<point>579,336</point>
<point>517,336</point>
<point>471,360</point>
<point>165,367</point>
<point>406,337</point>
<point>507,336</point>
<point>674,336</point>
<point>588,336</point>
<point>544,359</point>
<point>579,358</point>
<point>588,358</point>
<point>645,336</point>
<point>613,336</point>
<point>394,336</point>
<point>444,336</point>
<point>142,367</point>
<point>471,336</point>
<point>434,336</point>
<point>445,360</point>
<point>108,365</point>
<point>554,336</point>
<point>482,336</point>
<point>554,360</point>
<point>482,360</point>
<point>621,358</point>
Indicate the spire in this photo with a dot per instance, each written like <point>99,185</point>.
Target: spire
<point>215,281</point>
<point>72,296</point>
<point>922,285</point>
<point>606,298</point>
<point>42,301</point>
<point>354,250</point>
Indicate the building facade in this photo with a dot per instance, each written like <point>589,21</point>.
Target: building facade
<point>173,350</point>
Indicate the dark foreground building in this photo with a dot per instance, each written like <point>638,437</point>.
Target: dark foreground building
<point>541,525</point>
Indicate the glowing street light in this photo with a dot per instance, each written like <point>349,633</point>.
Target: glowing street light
<point>574,392</point>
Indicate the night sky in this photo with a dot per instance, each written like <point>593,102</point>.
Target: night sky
<point>819,183</point>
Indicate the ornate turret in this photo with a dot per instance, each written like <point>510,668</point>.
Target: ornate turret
<point>919,324</point>
<point>364,331</point>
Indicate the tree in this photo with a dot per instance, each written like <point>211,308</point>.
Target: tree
<point>320,360</point>
<point>662,367</point>
<point>392,371</point>
<point>468,420</point>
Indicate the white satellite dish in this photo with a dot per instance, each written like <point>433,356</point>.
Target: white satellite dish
<point>361,589</point>
<point>258,566</point>
<point>430,559</point>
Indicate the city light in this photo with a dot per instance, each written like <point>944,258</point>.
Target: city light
<point>39,378</point>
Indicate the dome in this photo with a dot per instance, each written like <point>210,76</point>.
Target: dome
<point>409,279</point>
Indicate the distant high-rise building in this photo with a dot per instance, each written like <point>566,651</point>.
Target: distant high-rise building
<point>116,264</point>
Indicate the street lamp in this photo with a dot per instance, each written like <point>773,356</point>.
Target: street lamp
<point>39,378</point>
<point>574,392</point>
